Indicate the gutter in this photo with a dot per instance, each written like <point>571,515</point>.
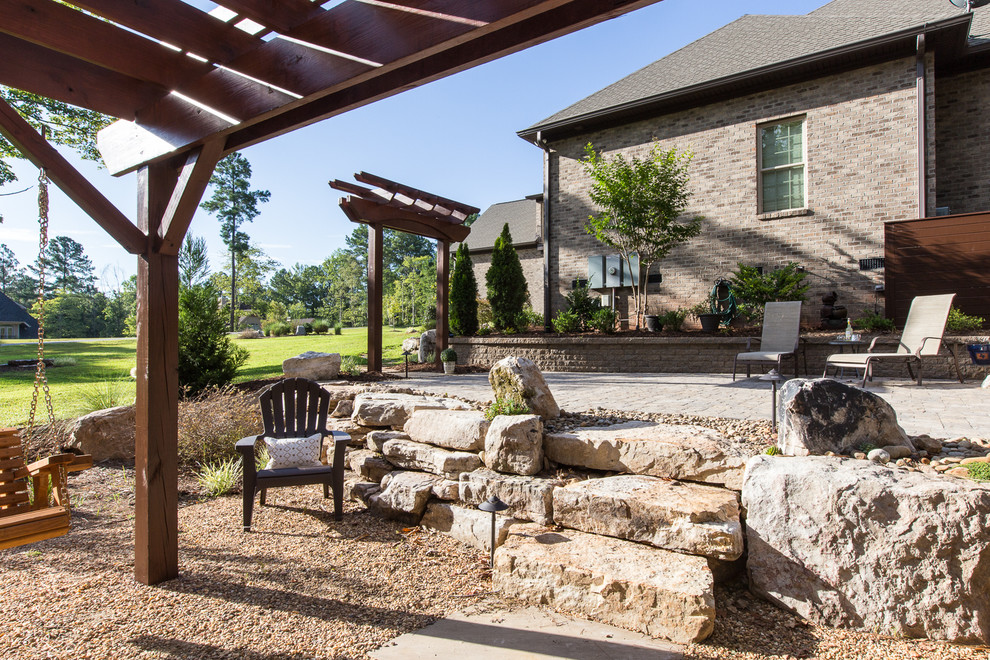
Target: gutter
<point>901,37</point>
<point>545,227</point>
<point>922,85</point>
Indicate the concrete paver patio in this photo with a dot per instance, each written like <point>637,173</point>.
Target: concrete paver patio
<point>941,408</point>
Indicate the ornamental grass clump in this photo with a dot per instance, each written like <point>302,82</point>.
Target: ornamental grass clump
<point>211,423</point>
<point>506,406</point>
<point>220,478</point>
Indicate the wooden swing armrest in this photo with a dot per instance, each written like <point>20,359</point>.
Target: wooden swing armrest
<point>46,464</point>
<point>80,462</point>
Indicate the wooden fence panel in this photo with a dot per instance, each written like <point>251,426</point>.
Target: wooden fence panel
<point>946,254</point>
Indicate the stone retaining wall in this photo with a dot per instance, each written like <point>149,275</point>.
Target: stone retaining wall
<point>685,354</point>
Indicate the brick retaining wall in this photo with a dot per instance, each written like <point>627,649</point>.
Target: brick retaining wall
<point>686,354</point>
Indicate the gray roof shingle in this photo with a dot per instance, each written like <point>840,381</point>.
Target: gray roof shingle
<point>523,217</point>
<point>756,41</point>
<point>11,312</point>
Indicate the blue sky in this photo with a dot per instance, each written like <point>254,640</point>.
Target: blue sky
<point>454,137</point>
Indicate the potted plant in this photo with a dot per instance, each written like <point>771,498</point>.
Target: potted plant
<point>708,319</point>
<point>653,322</point>
<point>449,358</point>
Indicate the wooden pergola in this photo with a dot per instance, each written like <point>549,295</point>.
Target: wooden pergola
<point>407,209</point>
<point>189,88</point>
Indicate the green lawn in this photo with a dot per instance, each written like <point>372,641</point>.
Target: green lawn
<point>101,360</point>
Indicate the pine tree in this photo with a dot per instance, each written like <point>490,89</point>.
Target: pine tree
<point>207,356</point>
<point>506,283</point>
<point>463,294</point>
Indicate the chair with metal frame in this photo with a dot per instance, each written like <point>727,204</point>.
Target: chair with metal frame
<point>780,339</point>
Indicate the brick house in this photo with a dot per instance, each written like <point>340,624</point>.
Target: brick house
<point>524,217</point>
<point>809,133</point>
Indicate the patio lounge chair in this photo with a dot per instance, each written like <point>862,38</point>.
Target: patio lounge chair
<point>295,408</point>
<point>781,334</point>
<point>921,338</point>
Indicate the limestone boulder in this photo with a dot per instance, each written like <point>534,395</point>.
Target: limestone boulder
<point>356,431</point>
<point>427,346</point>
<point>376,439</point>
<point>529,498</point>
<point>514,444</point>
<point>447,490</point>
<point>403,496</point>
<point>848,543</point>
<point>463,430</point>
<point>469,526</point>
<point>822,415</point>
<point>673,515</point>
<point>360,491</point>
<point>409,455</point>
<point>368,464</point>
<point>384,409</point>
<point>682,452</point>
<point>411,344</point>
<point>106,434</point>
<point>312,365</point>
<point>653,591</point>
<point>520,379</point>
<point>343,409</point>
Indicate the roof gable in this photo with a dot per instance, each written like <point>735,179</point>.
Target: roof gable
<point>523,217</point>
<point>11,312</point>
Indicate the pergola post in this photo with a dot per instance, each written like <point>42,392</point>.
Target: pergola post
<point>375,238</point>
<point>156,548</point>
<point>443,279</point>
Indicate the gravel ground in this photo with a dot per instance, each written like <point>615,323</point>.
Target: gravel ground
<point>304,586</point>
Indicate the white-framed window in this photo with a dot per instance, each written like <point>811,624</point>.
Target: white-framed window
<point>781,154</point>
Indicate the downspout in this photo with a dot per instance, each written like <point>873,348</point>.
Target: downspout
<point>545,228</point>
<point>922,84</point>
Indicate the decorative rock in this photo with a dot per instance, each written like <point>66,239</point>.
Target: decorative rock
<point>897,451</point>
<point>410,455</point>
<point>850,544</point>
<point>514,444</point>
<point>469,526</point>
<point>361,491</point>
<point>312,365</point>
<point>344,409</point>
<point>387,409</point>
<point>300,331</point>
<point>377,439</point>
<point>448,490</point>
<point>958,472</point>
<point>688,518</point>
<point>519,378</point>
<point>105,434</point>
<point>427,346</point>
<point>653,591</point>
<point>453,429</point>
<point>411,344</point>
<point>529,498</point>
<point>926,443</point>
<point>860,455</point>
<point>879,456</point>
<point>825,415</point>
<point>369,465</point>
<point>986,383</point>
<point>975,459</point>
<point>686,453</point>
<point>356,431</point>
<point>403,497</point>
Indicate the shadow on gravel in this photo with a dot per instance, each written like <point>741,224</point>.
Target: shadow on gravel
<point>178,648</point>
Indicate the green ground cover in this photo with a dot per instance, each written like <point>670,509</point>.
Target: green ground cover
<point>94,362</point>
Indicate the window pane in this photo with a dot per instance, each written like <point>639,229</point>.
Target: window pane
<point>783,189</point>
<point>782,144</point>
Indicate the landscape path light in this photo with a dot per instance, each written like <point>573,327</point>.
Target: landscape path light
<point>774,377</point>
<point>494,505</point>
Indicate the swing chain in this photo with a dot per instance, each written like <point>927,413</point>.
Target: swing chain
<point>40,377</point>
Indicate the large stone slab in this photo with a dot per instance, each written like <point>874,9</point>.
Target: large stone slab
<point>822,415</point>
<point>376,439</point>
<point>683,452</point>
<point>469,526</point>
<point>106,434</point>
<point>519,378</point>
<point>848,543</point>
<point>529,498</point>
<point>369,465</point>
<point>514,444</point>
<point>673,515</point>
<point>409,455</point>
<point>453,429</point>
<point>653,591</point>
<point>312,365</point>
<point>403,496</point>
<point>388,409</point>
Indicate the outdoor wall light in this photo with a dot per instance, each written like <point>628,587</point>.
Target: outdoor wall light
<point>494,505</point>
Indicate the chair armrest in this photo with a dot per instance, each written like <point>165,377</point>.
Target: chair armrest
<point>80,462</point>
<point>340,442</point>
<point>50,462</point>
<point>750,340</point>
<point>924,340</point>
<point>247,444</point>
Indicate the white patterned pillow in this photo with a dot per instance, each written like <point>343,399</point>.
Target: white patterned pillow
<point>294,452</point>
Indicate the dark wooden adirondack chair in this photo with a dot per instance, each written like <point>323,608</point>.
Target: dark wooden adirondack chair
<point>47,516</point>
<point>293,408</point>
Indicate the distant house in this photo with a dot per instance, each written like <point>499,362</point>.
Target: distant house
<point>810,133</point>
<point>249,322</point>
<point>15,322</point>
<point>524,217</point>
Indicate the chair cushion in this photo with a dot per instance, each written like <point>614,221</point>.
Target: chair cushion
<point>294,452</point>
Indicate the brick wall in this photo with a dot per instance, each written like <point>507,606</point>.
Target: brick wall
<point>963,136</point>
<point>685,354</point>
<point>532,267</point>
<point>861,172</point>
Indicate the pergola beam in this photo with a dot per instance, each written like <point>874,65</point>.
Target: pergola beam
<point>37,150</point>
<point>192,182</point>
